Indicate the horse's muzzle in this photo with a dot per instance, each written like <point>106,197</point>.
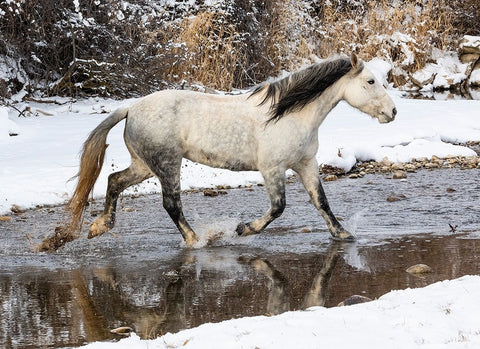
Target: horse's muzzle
<point>387,116</point>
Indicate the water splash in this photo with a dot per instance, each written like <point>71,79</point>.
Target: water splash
<point>217,231</point>
<point>354,221</point>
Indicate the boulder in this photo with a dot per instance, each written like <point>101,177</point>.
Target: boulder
<point>469,45</point>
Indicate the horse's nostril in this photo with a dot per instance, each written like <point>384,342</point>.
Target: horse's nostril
<point>394,112</point>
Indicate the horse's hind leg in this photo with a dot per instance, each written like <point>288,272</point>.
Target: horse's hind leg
<point>275,185</point>
<point>169,174</point>
<point>118,182</point>
<point>308,172</point>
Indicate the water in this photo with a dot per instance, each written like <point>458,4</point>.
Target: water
<point>141,275</point>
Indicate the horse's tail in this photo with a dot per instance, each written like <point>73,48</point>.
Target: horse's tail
<point>91,163</point>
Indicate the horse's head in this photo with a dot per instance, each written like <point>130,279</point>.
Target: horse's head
<point>364,92</point>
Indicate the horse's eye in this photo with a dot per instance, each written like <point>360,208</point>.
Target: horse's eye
<point>371,81</point>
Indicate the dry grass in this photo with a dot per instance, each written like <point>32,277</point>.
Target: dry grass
<point>228,45</point>
<point>370,31</point>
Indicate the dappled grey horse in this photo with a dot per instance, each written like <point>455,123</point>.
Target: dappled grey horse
<point>270,129</point>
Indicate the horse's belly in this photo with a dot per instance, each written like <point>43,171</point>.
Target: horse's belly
<point>216,160</point>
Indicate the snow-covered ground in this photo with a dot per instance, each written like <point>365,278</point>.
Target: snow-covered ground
<point>442,315</point>
<point>36,164</point>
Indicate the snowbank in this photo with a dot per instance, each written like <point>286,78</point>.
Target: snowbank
<point>35,165</point>
<point>442,315</point>
<point>8,127</point>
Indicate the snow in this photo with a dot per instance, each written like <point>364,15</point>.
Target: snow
<point>35,165</point>
<point>7,126</point>
<point>441,315</point>
<point>470,42</point>
<point>475,77</point>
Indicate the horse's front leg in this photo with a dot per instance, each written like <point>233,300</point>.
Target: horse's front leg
<point>308,172</point>
<point>275,185</point>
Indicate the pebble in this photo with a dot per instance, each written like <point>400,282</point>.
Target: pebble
<point>4,218</point>
<point>396,197</point>
<point>355,299</point>
<point>330,178</point>
<point>16,209</point>
<point>399,175</point>
<point>210,192</point>
<point>387,166</point>
<point>123,331</point>
<point>419,269</point>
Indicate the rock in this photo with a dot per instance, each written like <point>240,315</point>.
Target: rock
<point>469,44</point>
<point>467,58</point>
<point>210,192</point>
<point>353,176</point>
<point>398,166</point>
<point>355,299</point>
<point>4,218</point>
<point>425,76</point>
<point>399,175</point>
<point>419,269</point>
<point>430,165</point>
<point>410,167</point>
<point>386,162</point>
<point>330,178</point>
<point>305,230</point>
<point>16,209</point>
<point>122,331</point>
<point>396,197</point>
<point>385,168</point>
<point>450,190</point>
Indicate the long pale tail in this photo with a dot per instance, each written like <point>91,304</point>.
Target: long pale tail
<point>91,163</point>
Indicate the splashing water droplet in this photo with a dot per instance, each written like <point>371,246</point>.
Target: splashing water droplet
<point>216,231</point>
<point>352,223</point>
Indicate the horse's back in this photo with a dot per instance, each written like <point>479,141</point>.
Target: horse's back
<point>216,130</point>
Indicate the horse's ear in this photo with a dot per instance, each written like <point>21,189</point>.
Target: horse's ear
<point>354,61</point>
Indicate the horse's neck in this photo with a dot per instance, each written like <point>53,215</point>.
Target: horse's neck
<point>326,102</point>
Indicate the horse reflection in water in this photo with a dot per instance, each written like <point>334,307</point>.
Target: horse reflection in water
<point>270,129</point>
<point>170,314</point>
<point>316,295</point>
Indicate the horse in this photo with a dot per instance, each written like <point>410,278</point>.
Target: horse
<point>271,128</point>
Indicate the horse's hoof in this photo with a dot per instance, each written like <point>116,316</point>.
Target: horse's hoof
<point>191,240</point>
<point>98,228</point>
<point>344,236</point>
<point>244,229</point>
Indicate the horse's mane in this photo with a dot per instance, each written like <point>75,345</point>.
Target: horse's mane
<point>297,90</point>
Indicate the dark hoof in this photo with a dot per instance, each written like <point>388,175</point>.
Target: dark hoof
<point>241,227</point>
<point>245,229</point>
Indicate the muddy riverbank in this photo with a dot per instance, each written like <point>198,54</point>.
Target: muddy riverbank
<point>140,275</point>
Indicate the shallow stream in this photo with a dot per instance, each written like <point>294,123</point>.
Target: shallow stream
<point>142,276</point>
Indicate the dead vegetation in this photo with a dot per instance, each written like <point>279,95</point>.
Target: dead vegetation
<point>122,49</point>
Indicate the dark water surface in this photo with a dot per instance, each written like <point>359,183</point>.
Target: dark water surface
<point>141,276</point>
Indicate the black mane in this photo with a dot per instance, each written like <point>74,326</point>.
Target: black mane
<point>297,90</point>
